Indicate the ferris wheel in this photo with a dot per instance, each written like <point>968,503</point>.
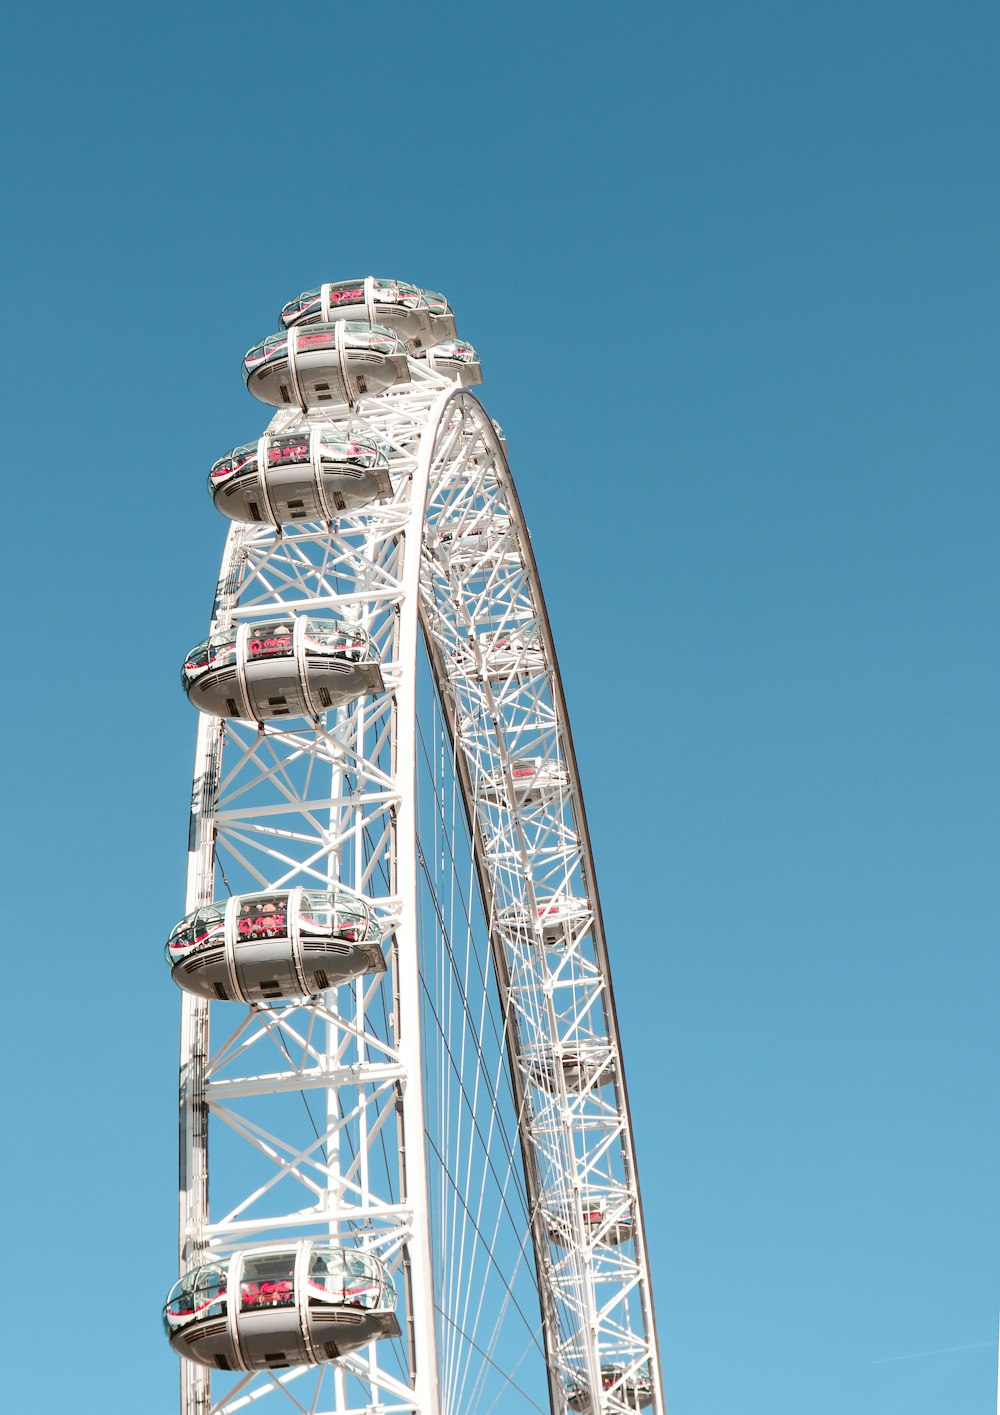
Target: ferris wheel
<point>398,1038</point>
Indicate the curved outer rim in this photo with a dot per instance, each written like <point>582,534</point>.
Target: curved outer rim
<point>539,1235</point>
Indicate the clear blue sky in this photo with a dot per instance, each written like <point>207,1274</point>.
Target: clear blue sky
<point>732,271</point>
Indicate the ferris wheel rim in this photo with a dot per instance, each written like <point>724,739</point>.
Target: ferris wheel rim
<point>513,503</point>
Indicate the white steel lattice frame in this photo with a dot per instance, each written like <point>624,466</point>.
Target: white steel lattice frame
<point>298,802</point>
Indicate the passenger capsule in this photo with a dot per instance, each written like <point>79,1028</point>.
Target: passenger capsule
<point>281,944</point>
<point>315,472</point>
<point>323,364</point>
<point>533,779</point>
<point>273,1307</point>
<point>633,1390</point>
<point>512,653</point>
<point>455,358</point>
<point>464,543</point>
<point>417,316</point>
<point>606,1220</point>
<point>553,921</point>
<point>504,654</point>
<point>472,433</point>
<point>583,1066</point>
<point>292,667</point>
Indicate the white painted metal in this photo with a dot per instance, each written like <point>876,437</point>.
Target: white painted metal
<point>404,1113</point>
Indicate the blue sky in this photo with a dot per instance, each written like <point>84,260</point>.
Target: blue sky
<point>731,269</point>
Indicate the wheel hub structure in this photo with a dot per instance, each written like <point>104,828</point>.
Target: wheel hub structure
<point>398,1038</point>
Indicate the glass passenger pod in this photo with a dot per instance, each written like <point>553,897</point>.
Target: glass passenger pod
<point>583,1066</point>
<point>455,358</point>
<point>315,472</point>
<point>480,455</point>
<point>633,1391</point>
<point>466,542</point>
<point>606,1219</point>
<point>514,651</point>
<point>320,365</point>
<point>277,945</point>
<point>274,1307</point>
<point>417,316</point>
<point>553,921</point>
<point>534,779</point>
<point>293,667</point>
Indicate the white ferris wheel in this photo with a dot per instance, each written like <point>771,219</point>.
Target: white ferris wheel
<point>398,1041</point>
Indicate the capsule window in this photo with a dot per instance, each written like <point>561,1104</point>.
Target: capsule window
<point>351,1279</point>
<point>267,1281</point>
<point>241,461</point>
<point>324,339</point>
<point>324,915</point>
<point>262,916</point>
<point>244,458</point>
<point>202,929</point>
<point>199,1293</point>
<point>215,652</point>
<point>306,303</point>
<point>325,636</point>
<point>222,468</point>
<point>267,350</point>
<point>347,294</point>
<point>273,640</point>
<point>285,451</point>
<point>356,451</point>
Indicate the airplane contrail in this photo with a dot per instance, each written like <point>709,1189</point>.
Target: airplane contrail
<point>941,1351</point>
